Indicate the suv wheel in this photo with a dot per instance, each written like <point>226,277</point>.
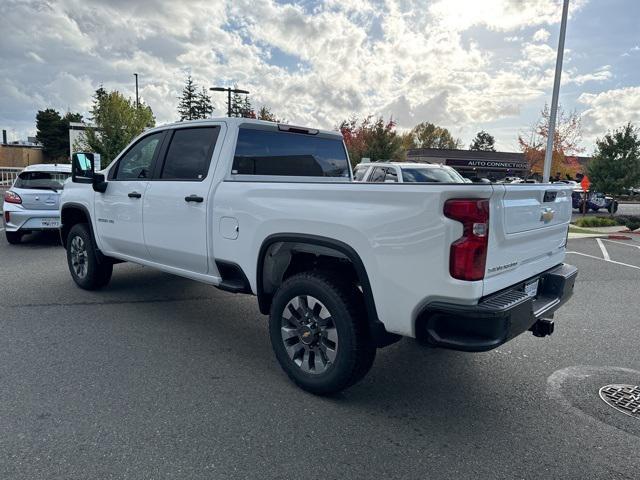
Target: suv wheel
<point>319,332</point>
<point>82,258</point>
<point>13,237</point>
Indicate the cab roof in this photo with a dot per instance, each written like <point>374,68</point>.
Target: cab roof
<point>240,122</point>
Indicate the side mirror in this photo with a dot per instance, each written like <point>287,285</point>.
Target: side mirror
<point>82,167</point>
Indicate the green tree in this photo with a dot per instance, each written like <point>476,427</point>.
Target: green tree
<point>615,166</point>
<point>371,138</point>
<point>116,121</point>
<point>188,105</point>
<point>53,132</point>
<point>428,135</point>
<point>204,107</point>
<point>241,106</point>
<point>483,142</point>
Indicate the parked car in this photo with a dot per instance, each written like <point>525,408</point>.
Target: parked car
<point>32,202</point>
<point>406,172</point>
<point>595,201</point>
<point>340,267</point>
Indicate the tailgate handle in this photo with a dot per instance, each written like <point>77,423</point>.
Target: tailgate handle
<point>550,196</point>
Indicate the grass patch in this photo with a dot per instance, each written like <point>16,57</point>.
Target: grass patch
<point>574,229</point>
<point>595,222</point>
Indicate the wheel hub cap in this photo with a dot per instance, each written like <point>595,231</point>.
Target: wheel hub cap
<point>79,257</point>
<point>309,334</point>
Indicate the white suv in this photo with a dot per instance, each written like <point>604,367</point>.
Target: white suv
<point>32,202</point>
<point>407,172</point>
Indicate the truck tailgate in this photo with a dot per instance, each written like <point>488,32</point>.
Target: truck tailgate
<point>527,232</point>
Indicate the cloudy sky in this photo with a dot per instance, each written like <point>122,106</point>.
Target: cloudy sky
<point>464,64</point>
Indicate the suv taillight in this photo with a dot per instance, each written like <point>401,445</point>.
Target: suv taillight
<point>12,197</point>
<point>468,254</point>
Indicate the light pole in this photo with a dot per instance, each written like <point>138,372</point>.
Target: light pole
<point>229,91</point>
<point>556,91</point>
<point>137,99</point>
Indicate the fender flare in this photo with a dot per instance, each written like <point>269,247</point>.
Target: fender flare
<point>379,334</point>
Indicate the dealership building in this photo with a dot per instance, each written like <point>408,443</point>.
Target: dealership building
<point>472,164</point>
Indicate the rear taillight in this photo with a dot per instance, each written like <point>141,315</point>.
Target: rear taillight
<point>12,197</point>
<point>468,254</point>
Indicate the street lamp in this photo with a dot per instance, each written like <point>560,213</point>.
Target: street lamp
<point>137,99</point>
<point>229,91</point>
<point>554,98</point>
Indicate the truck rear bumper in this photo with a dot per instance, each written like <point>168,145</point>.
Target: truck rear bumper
<point>499,317</point>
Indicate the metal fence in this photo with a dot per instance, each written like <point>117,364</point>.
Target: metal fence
<point>7,176</point>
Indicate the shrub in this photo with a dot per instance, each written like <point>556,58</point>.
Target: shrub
<point>595,222</point>
<point>632,222</point>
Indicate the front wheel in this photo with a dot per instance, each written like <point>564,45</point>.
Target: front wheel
<point>86,270</point>
<point>319,332</point>
<point>13,237</point>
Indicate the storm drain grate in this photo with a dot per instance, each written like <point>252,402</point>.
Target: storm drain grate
<point>624,398</point>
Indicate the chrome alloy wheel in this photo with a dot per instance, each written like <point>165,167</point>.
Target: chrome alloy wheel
<point>309,334</point>
<point>79,257</point>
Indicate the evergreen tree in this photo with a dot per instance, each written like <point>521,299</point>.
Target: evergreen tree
<point>204,106</point>
<point>53,132</point>
<point>188,105</point>
<point>483,142</point>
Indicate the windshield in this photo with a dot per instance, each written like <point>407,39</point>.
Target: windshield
<point>42,180</point>
<point>436,174</point>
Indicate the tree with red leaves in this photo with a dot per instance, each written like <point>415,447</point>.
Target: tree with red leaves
<point>371,138</point>
<point>566,144</point>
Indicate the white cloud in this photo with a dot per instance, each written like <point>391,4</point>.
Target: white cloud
<point>609,110</point>
<point>314,64</point>
<point>541,35</point>
<point>602,74</point>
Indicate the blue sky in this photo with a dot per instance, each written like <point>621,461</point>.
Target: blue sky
<point>464,64</point>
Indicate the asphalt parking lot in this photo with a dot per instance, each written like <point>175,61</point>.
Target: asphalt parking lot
<point>160,377</point>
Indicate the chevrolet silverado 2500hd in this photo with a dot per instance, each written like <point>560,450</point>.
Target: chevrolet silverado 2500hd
<point>341,268</point>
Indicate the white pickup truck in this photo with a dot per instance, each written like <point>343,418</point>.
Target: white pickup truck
<point>341,268</point>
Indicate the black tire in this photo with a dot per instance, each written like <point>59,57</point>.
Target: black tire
<point>354,349</point>
<point>13,238</point>
<point>86,270</point>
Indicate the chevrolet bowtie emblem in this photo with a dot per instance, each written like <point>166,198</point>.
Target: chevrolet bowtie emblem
<point>547,215</point>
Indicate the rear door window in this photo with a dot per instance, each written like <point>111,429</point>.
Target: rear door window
<point>391,175</point>
<point>268,152</point>
<point>189,153</point>
<point>359,173</point>
<point>378,174</point>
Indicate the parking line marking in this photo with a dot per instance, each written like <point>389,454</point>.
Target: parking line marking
<point>621,243</point>
<point>605,254</point>
<point>604,260</point>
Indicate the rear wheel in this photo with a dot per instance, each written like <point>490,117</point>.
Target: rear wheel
<point>319,332</point>
<point>13,237</point>
<point>85,268</point>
